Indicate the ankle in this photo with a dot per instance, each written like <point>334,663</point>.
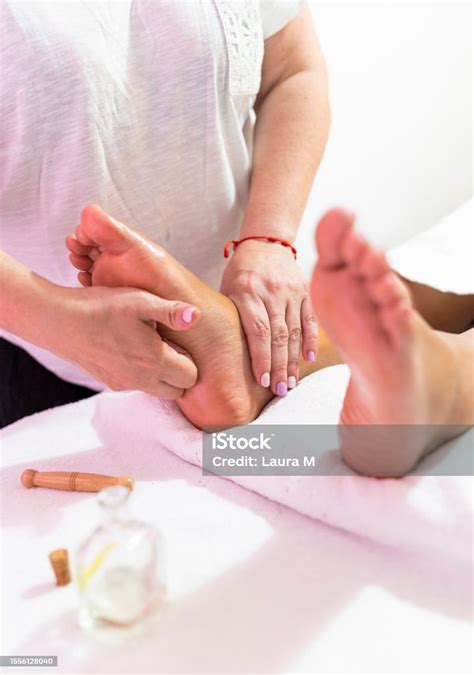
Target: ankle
<point>462,347</point>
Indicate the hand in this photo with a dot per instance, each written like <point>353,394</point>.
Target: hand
<point>111,333</point>
<point>270,292</point>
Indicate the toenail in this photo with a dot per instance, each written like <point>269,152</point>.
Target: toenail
<point>291,382</point>
<point>265,380</point>
<point>282,389</point>
<point>188,314</point>
<point>311,356</point>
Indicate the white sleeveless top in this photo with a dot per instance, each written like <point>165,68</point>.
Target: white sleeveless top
<point>141,106</point>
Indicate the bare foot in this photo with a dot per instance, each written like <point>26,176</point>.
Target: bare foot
<point>109,253</point>
<point>402,371</point>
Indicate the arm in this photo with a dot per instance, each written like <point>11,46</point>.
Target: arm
<point>110,333</point>
<point>290,136</point>
<point>291,131</point>
<point>25,303</point>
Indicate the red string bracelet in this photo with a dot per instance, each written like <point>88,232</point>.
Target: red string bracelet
<point>273,240</point>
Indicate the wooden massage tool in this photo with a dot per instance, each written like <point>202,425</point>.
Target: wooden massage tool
<point>73,481</point>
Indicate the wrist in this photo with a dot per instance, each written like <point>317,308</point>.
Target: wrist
<point>253,246</point>
<point>55,324</point>
<point>281,231</point>
<point>281,226</point>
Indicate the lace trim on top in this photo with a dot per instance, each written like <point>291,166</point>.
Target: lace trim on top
<point>244,37</point>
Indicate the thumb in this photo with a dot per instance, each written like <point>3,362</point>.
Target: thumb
<point>172,313</point>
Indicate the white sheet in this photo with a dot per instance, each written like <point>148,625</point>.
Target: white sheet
<point>254,586</point>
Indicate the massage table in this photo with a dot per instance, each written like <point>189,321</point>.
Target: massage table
<point>334,573</point>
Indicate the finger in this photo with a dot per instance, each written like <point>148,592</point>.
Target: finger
<point>85,279</point>
<point>81,262</point>
<point>310,329</point>
<point>176,369</point>
<point>256,325</point>
<point>165,391</point>
<point>293,321</point>
<point>75,246</point>
<point>279,331</point>
<point>174,314</point>
<point>155,387</point>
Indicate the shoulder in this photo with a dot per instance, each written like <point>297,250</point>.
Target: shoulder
<point>275,14</point>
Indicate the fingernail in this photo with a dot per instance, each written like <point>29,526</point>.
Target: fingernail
<point>311,356</point>
<point>188,314</point>
<point>291,382</point>
<point>265,380</point>
<point>282,389</point>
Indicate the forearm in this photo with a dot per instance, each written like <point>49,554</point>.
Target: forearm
<point>290,137</point>
<point>27,302</point>
<point>108,332</point>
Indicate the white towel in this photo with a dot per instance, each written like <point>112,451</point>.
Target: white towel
<point>428,513</point>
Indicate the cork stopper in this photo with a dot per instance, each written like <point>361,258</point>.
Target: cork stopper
<point>127,482</point>
<point>60,564</point>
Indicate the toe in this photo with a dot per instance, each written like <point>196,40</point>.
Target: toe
<point>354,247</point>
<point>388,289</point>
<point>395,319</point>
<point>83,238</point>
<point>382,290</point>
<point>84,278</point>
<point>373,264</point>
<point>330,234</point>
<point>94,253</point>
<point>75,246</point>
<point>100,229</point>
<point>81,262</point>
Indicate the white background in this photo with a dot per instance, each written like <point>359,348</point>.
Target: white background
<point>400,148</point>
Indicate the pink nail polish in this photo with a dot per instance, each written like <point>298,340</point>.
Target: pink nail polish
<point>188,314</point>
<point>311,356</point>
<point>265,380</point>
<point>282,389</point>
<point>291,382</point>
